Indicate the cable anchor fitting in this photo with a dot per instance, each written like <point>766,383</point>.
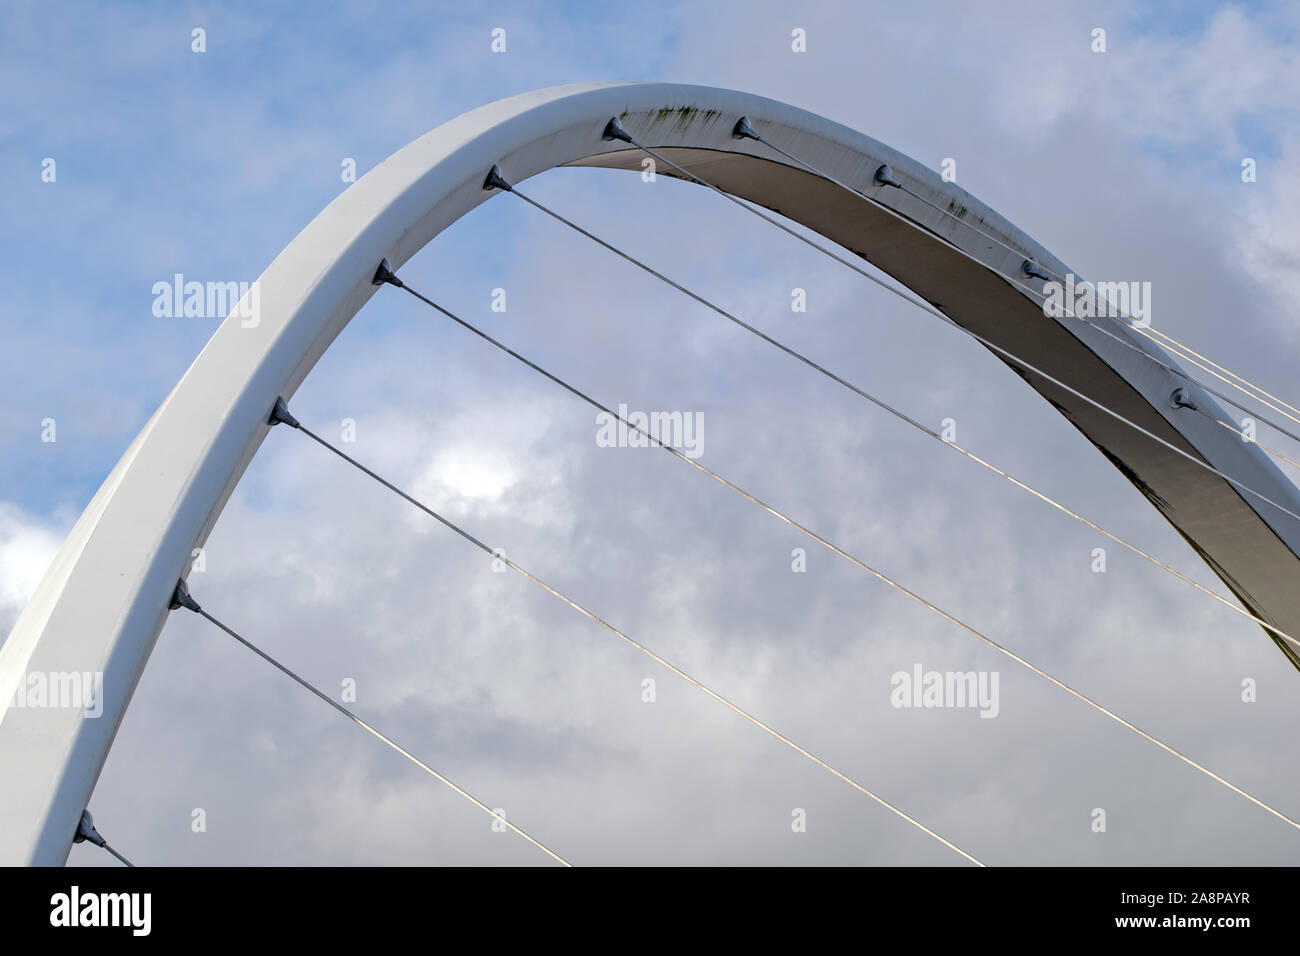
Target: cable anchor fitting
<point>885,177</point>
<point>1180,400</point>
<point>742,130</point>
<point>614,130</point>
<point>280,413</point>
<point>495,180</point>
<point>1031,268</point>
<point>181,598</point>
<point>86,832</point>
<point>384,273</point>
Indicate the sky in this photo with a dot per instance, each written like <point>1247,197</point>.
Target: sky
<point>1125,163</point>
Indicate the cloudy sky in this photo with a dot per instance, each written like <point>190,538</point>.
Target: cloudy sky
<point>1125,164</point>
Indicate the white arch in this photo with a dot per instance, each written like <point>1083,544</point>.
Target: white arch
<point>103,601</point>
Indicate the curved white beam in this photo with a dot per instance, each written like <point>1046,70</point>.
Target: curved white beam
<point>104,600</point>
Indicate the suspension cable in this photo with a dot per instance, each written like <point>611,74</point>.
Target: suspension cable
<point>744,130</point>
<point>1249,411</point>
<point>1224,370</point>
<point>86,833</point>
<point>182,598</point>
<point>496,181</point>
<point>281,414</point>
<point>1145,329</point>
<point>386,275</point>
<point>1237,431</point>
<point>614,130</point>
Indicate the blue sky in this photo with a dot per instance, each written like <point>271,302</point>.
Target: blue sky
<point>1125,163</point>
<point>163,153</point>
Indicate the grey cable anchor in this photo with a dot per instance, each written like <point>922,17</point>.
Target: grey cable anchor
<point>383,273</point>
<point>86,833</point>
<point>884,176</point>
<point>181,598</point>
<point>1031,268</point>
<point>1180,400</point>
<point>495,180</point>
<point>614,130</point>
<point>280,413</point>
<point>742,130</point>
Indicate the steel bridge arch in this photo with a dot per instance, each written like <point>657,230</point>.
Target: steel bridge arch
<point>103,601</point>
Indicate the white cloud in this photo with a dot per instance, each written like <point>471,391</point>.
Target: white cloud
<point>27,545</point>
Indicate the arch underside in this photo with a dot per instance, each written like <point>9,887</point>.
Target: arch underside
<point>1249,545</point>
<point>105,598</point>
